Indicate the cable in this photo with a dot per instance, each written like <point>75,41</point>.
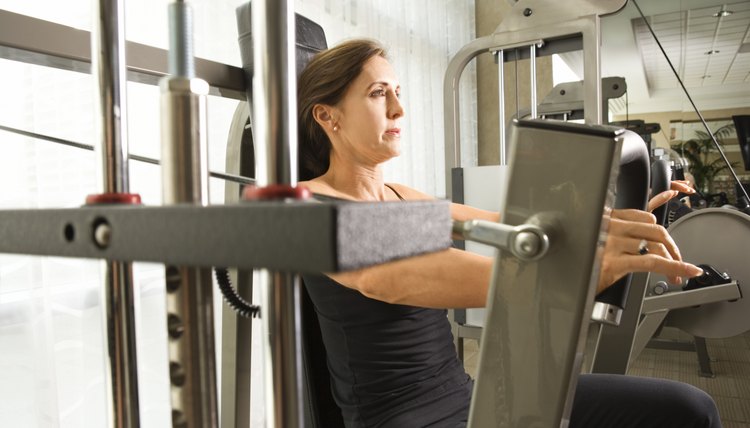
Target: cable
<point>221,175</point>
<point>627,112</point>
<point>700,116</point>
<point>232,297</point>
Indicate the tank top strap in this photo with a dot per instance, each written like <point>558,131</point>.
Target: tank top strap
<point>394,191</point>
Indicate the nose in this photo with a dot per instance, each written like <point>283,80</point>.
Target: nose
<point>395,108</point>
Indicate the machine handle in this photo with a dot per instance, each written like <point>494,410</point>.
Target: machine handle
<point>661,177</point>
<point>527,242</point>
<point>632,192</point>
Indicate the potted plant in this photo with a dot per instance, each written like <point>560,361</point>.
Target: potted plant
<point>700,153</point>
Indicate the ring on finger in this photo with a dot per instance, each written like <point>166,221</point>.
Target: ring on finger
<point>643,247</point>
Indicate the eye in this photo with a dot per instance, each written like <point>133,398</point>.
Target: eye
<point>377,92</point>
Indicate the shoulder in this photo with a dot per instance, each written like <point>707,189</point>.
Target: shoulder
<point>318,187</point>
<point>321,188</point>
<point>409,193</point>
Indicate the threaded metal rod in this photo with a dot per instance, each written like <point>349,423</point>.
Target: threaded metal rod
<point>180,59</point>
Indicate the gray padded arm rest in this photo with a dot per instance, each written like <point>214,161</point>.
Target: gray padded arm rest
<point>293,237</point>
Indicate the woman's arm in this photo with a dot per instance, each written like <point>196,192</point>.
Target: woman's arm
<point>446,279</point>
<point>459,212</point>
<point>459,279</point>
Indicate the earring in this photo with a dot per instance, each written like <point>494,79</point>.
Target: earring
<point>335,128</point>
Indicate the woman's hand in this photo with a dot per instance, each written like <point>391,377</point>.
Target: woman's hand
<point>622,251</point>
<point>676,187</point>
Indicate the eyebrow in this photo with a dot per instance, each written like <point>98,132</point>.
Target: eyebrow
<point>382,83</point>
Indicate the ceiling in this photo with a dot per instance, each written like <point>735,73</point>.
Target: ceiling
<point>709,48</point>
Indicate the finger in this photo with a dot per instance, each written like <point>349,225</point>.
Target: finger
<point>682,186</point>
<point>649,232</point>
<point>661,199</point>
<point>653,263</point>
<point>634,215</point>
<point>632,246</point>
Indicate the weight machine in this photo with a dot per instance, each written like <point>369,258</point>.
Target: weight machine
<point>545,319</point>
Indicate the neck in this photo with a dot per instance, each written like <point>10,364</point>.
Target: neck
<point>356,180</point>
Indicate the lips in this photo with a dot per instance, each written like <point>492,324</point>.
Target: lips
<point>394,131</point>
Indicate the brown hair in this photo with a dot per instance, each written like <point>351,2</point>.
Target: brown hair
<point>325,80</point>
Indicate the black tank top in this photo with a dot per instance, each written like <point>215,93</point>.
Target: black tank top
<point>390,365</point>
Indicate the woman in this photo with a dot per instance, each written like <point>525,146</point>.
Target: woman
<point>389,346</point>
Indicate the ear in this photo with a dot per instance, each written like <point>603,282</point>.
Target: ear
<point>323,114</point>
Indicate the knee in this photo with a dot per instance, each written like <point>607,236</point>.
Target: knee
<point>692,405</point>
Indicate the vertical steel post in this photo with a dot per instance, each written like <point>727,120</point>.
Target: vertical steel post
<point>275,126</point>
<point>532,77</point>
<point>108,68</point>
<point>501,105</point>
<point>592,71</point>
<point>192,366</point>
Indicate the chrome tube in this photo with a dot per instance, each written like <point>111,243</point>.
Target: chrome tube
<point>192,364</point>
<point>592,71</point>
<point>108,68</point>
<point>275,92</point>
<point>532,79</point>
<point>190,318</point>
<point>122,368</point>
<point>275,129</point>
<point>501,105</point>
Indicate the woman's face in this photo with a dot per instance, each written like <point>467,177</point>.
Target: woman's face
<point>368,116</point>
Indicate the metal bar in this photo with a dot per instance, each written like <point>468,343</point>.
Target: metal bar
<point>220,175</point>
<point>275,126</point>
<point>236,331</point>
<point>592,71</point>
<point>526,242</point>
<point>614,344</point>
<point>118,301</point>
<point>645,331</point>
<point>110,93</point>
<point>656,308</point>
<point>501,105</point>
<point>698,346</point>
<point>243,338</point>
<point>497,41</point>
<point>704,360</point>
<point>686,299</point>
<point>558,45</point>
<point>532,79</point>
<point>526,21</point>
<point>190,318</point>
<point>457,317</point>
<point>35,41</point>
<point>108,65</point>
<point>294,237</point>
<point>671,345</point>
<point>274,112</point>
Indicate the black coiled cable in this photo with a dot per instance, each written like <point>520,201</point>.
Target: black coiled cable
<point>233,299</point>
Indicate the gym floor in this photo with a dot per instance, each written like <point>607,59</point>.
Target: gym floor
<point>730,363</point>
